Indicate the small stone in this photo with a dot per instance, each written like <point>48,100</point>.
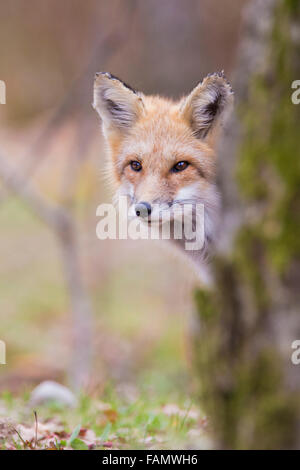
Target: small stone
<point>50,391</point>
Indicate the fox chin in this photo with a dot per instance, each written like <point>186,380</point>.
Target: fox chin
<point>162,156</point>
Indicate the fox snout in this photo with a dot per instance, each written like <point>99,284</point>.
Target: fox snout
<point>143,209</point>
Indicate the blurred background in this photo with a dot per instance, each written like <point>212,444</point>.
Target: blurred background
<point>123,317</point>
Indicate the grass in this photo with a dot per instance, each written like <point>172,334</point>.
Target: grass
<point>117,421</point>
<point>141,396</point>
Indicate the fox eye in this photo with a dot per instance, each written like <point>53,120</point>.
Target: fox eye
<point>135,165</point>
<point>180,166</point>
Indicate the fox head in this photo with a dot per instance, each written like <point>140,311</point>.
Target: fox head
<point>162,152</point>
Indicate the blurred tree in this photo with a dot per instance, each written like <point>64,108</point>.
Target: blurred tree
<point>251,317</point>
<point>60,216</point>
<point>159,47</point>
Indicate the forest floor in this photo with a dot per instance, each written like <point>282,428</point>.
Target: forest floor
<point>109,423</point>
<point>142,395</point>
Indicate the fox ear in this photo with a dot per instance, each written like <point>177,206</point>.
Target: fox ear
<point>118,105</point>
<point>205,107</point>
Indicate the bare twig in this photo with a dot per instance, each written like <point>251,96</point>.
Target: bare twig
<point>61,222</point>
<point>76,98</point>
<point>20,437</point>
<point>36,429</point>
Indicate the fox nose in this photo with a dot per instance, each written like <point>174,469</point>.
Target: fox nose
<point>143,209</point>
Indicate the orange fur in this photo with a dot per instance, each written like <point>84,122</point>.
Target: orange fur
<point>158,133</point>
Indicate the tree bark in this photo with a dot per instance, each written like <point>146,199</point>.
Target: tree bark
<point>248,322</point>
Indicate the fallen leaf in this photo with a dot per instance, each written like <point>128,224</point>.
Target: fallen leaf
<point>107,444</point>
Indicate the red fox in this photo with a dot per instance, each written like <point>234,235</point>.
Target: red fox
<point>162,152</point>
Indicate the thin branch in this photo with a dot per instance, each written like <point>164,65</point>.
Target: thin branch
<point>36,429</point>
<point>75,99</point>
<point>61,222</point>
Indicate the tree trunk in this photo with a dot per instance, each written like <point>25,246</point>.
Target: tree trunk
<point>248,322</point>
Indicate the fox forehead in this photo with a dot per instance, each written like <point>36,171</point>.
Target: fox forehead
<point>160,132</point>
<point>159,139</point>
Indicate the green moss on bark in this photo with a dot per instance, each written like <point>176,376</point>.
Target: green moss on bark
<point>269,168</point>
<point>241,383</point>
<point>241,371</point>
